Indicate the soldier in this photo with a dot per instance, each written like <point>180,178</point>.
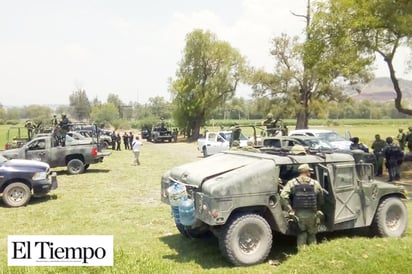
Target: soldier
<point>298,150</point>
<point>54,121</point>
<point>118,141</point>
<point>235,132</point>
<point>131,138</point>
<point>401,139</point>
<point>356,145</point>
<point>394,157</point>
<point>126,141</point>
<point>30,125</point>
<point>377,147</point>
<point>270,124</point>
<point>250,147</point>
<point>114,139</point>
<point>64,128</point>
<point>303,197</point>
<point>408,139</point>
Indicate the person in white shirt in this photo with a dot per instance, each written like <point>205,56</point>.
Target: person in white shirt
<point>136,147</point>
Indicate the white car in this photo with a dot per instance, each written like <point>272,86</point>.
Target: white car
<point>215,142</point>
<point>329,136</point>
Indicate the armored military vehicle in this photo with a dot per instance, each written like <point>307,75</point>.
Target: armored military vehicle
<point>235,195</point>
<point>161,133</point>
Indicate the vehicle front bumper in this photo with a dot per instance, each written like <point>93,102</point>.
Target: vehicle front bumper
<point>42,187</point>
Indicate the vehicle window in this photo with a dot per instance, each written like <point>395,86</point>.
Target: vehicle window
<point>37,145</point>
<point>271,143</point>
<point>344,176</point>
<point>331,136</point>
<point>211,137</point>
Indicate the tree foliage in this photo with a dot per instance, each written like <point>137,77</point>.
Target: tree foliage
<point>310,73</point>
<point>80,105</point>
<point>104,114</point>
<point>207,77</point>
<point>375,27</point>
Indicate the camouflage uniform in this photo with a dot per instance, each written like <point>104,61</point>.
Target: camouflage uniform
<point>250,147</point>
<point>235,145</point>
<point>408,139</point>
<point>377,147</point>
<point>401,139</point>
<point>303,196</point>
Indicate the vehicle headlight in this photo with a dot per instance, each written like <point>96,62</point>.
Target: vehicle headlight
<point>39,176</point>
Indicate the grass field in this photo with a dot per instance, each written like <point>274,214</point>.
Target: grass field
<point>116,198</point>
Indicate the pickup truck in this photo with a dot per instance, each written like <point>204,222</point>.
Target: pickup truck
<point>77,156</point>
<point>215,142</point>
<point>22,179</point>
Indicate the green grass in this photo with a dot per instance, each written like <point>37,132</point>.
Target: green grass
<point>116,198</point>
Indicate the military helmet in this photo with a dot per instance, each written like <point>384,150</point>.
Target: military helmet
<point>401,129</point>
<point>235,143</point>
<point>304,167</point>
<point>298,150</point>
<point>63,114</point>
<point>269,116</point>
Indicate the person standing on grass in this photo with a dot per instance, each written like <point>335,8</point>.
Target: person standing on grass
<point>126,141</point>
<point>136,147</point>
<point>377,147</point>
<point>118,141</point>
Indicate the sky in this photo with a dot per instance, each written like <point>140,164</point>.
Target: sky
<point>50,48</point>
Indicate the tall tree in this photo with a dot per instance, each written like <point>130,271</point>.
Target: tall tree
<point>115,100</point>
<point>80,105</point>
<point>313,70</point>
<point>207,77</point>
<point>378,27</point>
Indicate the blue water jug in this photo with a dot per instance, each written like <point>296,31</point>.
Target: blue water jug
<point>186,211</point>
<point>175,193</point>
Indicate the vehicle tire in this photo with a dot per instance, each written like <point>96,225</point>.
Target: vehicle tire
<point>75,166</point>
<point>16,194</point>
<point>193,233</point>
<point>246,240</point>
<point>391,218</point>
<point>204,151</point>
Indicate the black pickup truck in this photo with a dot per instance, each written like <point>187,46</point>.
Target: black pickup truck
<point>20,179</point>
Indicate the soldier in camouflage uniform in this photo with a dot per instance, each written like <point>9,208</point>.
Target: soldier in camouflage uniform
<point>303,197</point>
<point>250,147</point>
<point>408,139</point>
<point>377,147</point>
<point>401,139</point>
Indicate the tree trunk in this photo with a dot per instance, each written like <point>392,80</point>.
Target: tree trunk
<point>195,130</point>
<point>398,91</point>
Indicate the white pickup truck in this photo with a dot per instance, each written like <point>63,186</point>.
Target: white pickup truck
<point>215,142</point>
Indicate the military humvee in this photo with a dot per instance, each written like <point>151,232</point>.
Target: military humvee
<point>236,197</point>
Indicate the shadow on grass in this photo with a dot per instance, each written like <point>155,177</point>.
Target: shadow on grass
<point>206,253</point>
<point>93,170</point>
<point>35,200</point>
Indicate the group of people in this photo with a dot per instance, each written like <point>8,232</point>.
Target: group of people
<point>117,140</point>
<point>405,139</point>
<point>130,142</point>
<point>385,151</point>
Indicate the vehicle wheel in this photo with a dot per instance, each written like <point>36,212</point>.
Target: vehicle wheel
<point>193,233</point>
<point>16,194</point>
<point>246,240</point>
<point>75,166</point>
<point>391,219</point>
<point>204,150</point>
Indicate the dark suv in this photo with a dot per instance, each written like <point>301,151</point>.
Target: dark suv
<point>20,179</point>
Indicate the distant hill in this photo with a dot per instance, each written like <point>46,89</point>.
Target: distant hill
<point>381,90</point>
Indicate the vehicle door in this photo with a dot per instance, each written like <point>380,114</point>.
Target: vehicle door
<point>217,143</point>
<point>347,190</point>
<point>38,150</point>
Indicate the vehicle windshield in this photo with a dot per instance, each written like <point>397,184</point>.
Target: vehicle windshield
<point>228,136</point>
<point>330,136</point>
<point>317,143</point>
<point>2,159</point>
